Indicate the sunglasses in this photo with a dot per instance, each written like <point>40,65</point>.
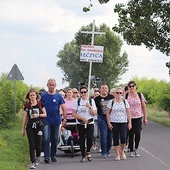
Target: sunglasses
<point>83,92</point>
<point>131,86</point>
<point>75,92</point>
<point>118,92</point>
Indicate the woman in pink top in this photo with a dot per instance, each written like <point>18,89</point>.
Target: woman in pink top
<point>69,100</point>
<point>137,104</point>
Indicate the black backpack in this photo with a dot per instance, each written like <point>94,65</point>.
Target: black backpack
<point>78,101</point>
<point>113,103</point>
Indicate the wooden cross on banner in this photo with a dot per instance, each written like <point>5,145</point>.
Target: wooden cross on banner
<point>92,43</point>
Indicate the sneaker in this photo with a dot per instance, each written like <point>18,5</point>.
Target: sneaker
<point>136,153</point>
<point>127,150</point>
<point>37,161</point>
<point>104,156</point>
<point>94,147</point>
<point>53,159</point>
<point>108,154</point>
<point>131,154</point>
<point>46,160</point>
<point>100,150</point>
<point>32,166</point>
<point>83,160</point>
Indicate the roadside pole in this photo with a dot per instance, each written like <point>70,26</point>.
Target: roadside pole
<point>14,75</point>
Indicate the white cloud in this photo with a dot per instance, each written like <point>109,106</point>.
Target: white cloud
<point>32,32</point>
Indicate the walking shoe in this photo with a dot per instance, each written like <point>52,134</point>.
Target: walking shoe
<point>104,156</point>
<point>83,160</point>
<point>37,161</point>
<point>53,159</point>
<point>127,150</point>
<point>46,160</point>
<point>131,154</point>
<point>108,154</point>
<point>32,166</point>
<point>136,153</point>
<point>94,147</point>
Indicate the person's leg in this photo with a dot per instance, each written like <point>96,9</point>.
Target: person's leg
<point>54,141</point>
<point>38,141</point>
<point>89,136</point>
<point>81,131</point>
<point>69,140</point>
<point>131,139</point>
<point>137,131</point>
<point>47,131</point>
<point>109,140</point>
<point>116,140</point>
<point>123,132</point>
<point>95,134</point>
<point>31,141</point>
<point>103,135</point>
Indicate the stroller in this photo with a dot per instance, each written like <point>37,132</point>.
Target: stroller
<point>69,139</point>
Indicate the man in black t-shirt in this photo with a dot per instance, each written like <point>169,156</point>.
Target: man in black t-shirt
<point>105,133</point>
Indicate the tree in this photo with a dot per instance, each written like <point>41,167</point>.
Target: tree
<point>113,66</point>
<point>144,22</point>
<point>7,99</point>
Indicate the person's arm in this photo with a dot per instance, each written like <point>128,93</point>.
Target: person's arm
<point>44,113</point>
<point>129,118</point>
<point>93,112</point>
<point>63,108</point>
<point>24,123</point>
<point>74,114</point>
<point>145,120</point>
<point>108,118</point>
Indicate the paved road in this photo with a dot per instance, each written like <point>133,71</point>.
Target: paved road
<point>154,150</point>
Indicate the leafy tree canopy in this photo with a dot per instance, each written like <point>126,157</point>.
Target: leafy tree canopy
<point>114,63</point>
<point>144,22</point>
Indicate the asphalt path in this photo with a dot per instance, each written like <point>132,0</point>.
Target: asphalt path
<point>154,155</point>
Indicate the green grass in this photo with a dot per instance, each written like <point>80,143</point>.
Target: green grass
<point>161,117</point>
<point>14,154</point>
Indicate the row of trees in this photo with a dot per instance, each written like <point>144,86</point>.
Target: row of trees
<point>157,93</point>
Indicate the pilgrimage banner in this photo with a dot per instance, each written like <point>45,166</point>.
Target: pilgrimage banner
<point>91,53</point>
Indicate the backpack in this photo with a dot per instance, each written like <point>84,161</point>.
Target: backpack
<point>78,101</point>
<point>139,94</point>
<point>28,105</point>
<point>39,121</point>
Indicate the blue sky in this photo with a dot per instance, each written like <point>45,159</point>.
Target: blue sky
<point>32,32</point>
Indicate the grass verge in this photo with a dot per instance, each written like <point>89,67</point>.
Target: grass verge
<point>161,117</point>
<point>14,154</point>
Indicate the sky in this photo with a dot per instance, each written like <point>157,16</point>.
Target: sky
<point>32,32</point>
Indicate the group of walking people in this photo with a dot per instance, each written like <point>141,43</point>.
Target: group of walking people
<point>119,116</point>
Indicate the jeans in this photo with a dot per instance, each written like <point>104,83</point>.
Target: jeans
<point>105,135</point>
<point>50,136</point>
